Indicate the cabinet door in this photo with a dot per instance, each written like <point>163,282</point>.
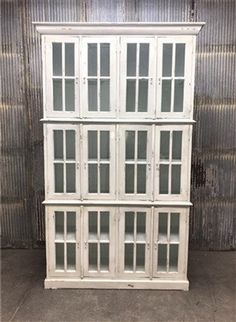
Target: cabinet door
<point>61,72</point>
<point>134,241</point>
<point>99,76</point>
<point>63,241</point>
<point>170,242</point>
<point>99,235</point>
<point>135,180</point>
<point>62,154</point>
<point>172,170</point>
<point>99,161</point>
<point>137,77</point>
<point>175,77</point>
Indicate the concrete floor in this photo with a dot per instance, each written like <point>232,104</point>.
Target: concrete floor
<point>212,295</point>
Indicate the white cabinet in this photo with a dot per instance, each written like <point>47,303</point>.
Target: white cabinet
<point>118,106</point>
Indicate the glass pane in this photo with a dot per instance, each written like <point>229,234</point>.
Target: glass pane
<point>104,145</point>
<point>104,256</point>
<point>175,179</point>
<point>176,145</point>
<point>70,177</point>
<point>92,95</point>
<point>104,178</point>
<point>129,255</point>
<point>166,96</point>
<point>59,255</point>
<point>179,59</point>
<point>59,225</point>
<point>104,225</point>
<point>105,59</point>
<point>71,256</point>
<point>58,144</point>
<point>71,225</point>
<point>162,226</point>
<point>142,145</point>
<point>165,145</point>
<point>70,144</point>
<point>58,174</point>
<point>140,257</point>
<point>104,95</point>
<point>141,226</point>
<point>130,95</point>
<point>57,58</point>
<point>173,262</point>
<point>57,95</point>
<point>167,60</point>
<point>129,226</point>
<point>93,255</point>
<point>92,145</point>
<point>141,178</point>
<point>92,59</point>
<point>129,145</point>
<point>143,59</point>
<point>129,178</point>
<point>179,95</point>
<point>92,178</point>
<point>143,95</point>
<point>174,227</point>
<point>131,59</point>
<point>69,95</point>
<point>93,225</point>
<point>69,60</point>
<point>164,177</point>
<point>162,258</point>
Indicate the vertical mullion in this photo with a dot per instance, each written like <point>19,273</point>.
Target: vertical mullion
<point>172,78</point>
<point>170,163</point>
<point>135,237</point>
<point>98,241</point>
<point>98,160</point>
<point>168,241</point>
<point>65,245</point>
<point>98,77</point>
<point>64,160</point>
<point>137,78</point>
<point>63,77</point>
<point>135,160</point>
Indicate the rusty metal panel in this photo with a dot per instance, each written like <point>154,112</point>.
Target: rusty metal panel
<point>212,222</point>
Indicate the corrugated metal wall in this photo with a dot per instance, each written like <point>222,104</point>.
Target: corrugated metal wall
<point>213,217</point>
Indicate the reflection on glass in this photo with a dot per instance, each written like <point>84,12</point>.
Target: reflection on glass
<point>70,225</point>
<point>143,59</point>
<point>93,225</point>
<point>92,95</point>
<point>142,145</point>
<point>141,226</point>
<point>164,177</point>
<point>92,145</point>
<point>92,178</point>
<point>162,258</point>
<point>179,95</point>
<point>104,178</point>
<point>162,226</point>
<point>92,59</point>
<point>105,59</point>
<point>173,262</point>
<point>143,95</point>
<point>129,225</point>
<point>104,95</point>
<point>93,255</point>
<point>57,58</point>
<point>69,95</point>
<point>104,225</point>
<point>167,60</point>
<point>59,225</point>
<point>165,145</point>
<point>176,145</point>
<point>166,96</point>
<point>174,227</point>
<point>58,177</point>
<point>104,145</point>
<point>129,178</point>
<point>130,95</point>
<point>175,178</point>
<point>104,256</point>
<point>131,59</point>
<point>59,256</point>
<point>70,177</point>
<point>69,59</point>
<point>70,144</point>
<point>141,178</point>
<point>57,95</point>
<point>129,254</point>
<point>179,60</point>
<point>70,256</point>
<point>58,144</point>
<point>129,145</point>
<point>140,257</point>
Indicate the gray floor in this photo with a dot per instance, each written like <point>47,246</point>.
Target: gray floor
<point>212,295</point>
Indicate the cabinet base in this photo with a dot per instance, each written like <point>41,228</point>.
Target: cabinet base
<point>158,284</point>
